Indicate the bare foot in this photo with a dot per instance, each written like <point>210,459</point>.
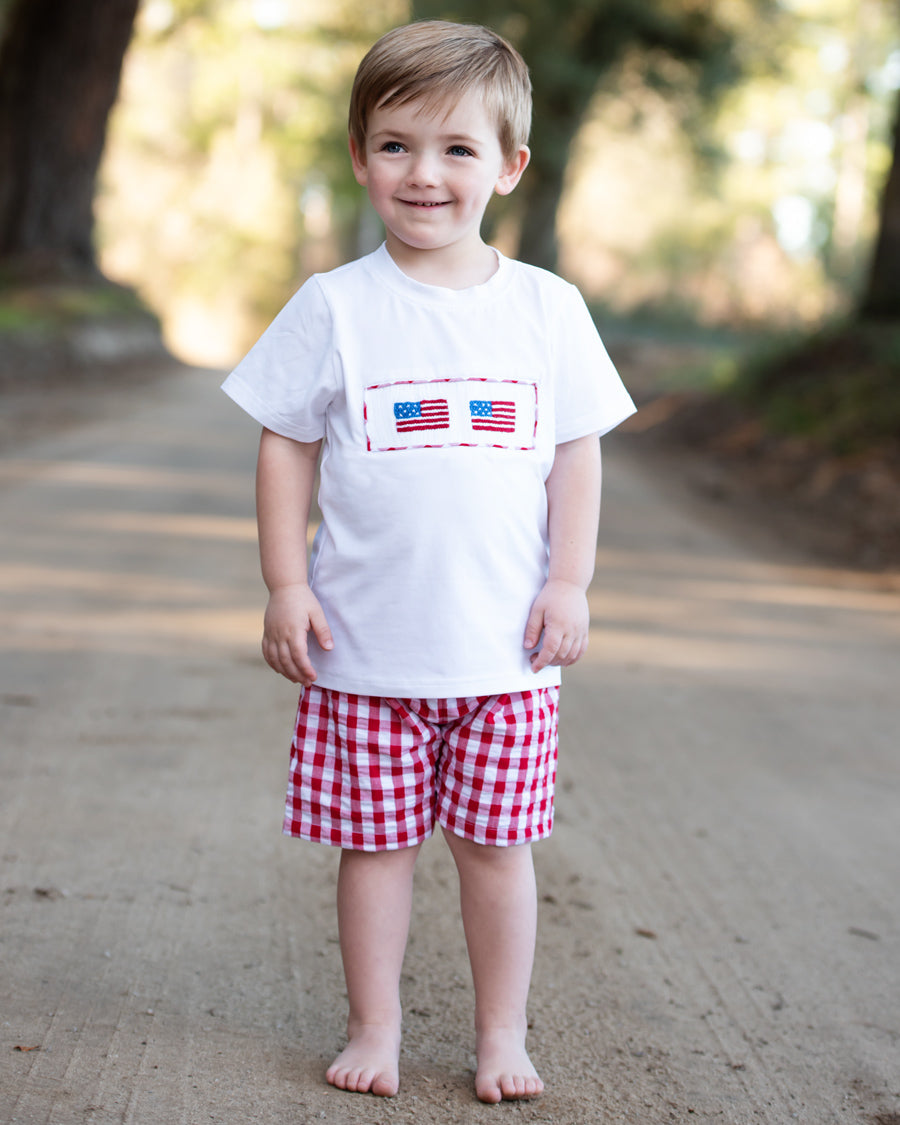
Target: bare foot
<point>504,1068</point>
<point>370,1063</point>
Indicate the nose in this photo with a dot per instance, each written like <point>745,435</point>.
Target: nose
<point>423,170</point>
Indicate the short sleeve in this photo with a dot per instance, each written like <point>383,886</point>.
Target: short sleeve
<point>589,396</point>
<point>287,379</point>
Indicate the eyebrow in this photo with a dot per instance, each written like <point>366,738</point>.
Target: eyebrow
<point>446,138</point>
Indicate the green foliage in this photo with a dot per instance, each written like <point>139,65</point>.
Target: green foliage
<point>839,388</point>
<point>28,308</point>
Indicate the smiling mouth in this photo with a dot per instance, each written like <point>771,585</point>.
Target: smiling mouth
<point>419,203</point>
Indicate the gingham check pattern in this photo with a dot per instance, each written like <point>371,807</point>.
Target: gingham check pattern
<point>374,774</point>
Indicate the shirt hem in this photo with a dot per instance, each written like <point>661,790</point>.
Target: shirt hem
<point>599,425</point>
<point>444,689</point>
<point>243,396</point>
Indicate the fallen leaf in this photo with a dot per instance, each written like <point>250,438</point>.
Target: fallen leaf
<point>24,1049</point>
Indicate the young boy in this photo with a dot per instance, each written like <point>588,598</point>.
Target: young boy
<point>456,398</point>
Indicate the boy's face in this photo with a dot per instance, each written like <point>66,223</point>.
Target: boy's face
<point>430,175</point>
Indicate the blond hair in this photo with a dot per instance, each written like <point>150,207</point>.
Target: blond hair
<point>434,61</point>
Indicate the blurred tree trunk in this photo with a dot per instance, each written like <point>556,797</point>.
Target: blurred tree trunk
<point>60,65</point>
<point>556,121</point>
<point>882,296</point>
<point>539,195</point>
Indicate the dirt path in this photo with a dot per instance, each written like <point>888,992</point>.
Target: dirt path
<point>720,928</point>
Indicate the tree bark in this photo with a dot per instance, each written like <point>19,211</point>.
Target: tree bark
<point>60,66</point>
<point>881,300</point>
<point>541,191</point>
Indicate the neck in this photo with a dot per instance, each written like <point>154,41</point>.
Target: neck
<point>449,268</point>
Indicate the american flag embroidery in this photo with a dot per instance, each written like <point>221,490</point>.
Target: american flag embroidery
<point>426,414</point>
<point>497,417</point>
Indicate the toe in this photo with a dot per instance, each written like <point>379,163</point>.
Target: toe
<point>512,1085</point>
<point>489,1093</point>
<point>384,1086</point>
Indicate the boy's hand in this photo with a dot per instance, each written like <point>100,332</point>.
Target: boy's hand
<point>291,613</point>
<point>560,612</point>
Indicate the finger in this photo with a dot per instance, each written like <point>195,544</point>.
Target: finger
<point>559,648</point>
<point>567,653</point>
<point>270,655</point>
<point>279,663</point>
<point>320,629</point>
<point>299,663</point>
<point>289,660</point>
<point>577,649</point>
<point>533,628</point>
<point>548,652</point>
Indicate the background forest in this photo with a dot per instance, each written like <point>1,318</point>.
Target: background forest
<point>724,168</point>
<point>722,180</point>
<point>721,163</point>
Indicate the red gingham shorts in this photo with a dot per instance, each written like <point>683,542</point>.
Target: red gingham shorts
<point>373,774</point>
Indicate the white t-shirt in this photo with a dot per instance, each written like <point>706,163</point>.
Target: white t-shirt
<point>440,411</point>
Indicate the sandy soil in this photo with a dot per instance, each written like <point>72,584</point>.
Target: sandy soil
<point>720,924</point>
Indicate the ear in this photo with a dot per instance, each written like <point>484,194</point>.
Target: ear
<point>512,171</point>
<point>358,160</point>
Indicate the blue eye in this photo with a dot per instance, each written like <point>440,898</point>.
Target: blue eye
<point>460,150</point>
<point>392,146</point>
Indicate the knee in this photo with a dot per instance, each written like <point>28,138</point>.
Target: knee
<point>490,856</point>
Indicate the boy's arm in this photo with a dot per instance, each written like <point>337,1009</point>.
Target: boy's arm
<point>560,612</point>
<point>285,475</point>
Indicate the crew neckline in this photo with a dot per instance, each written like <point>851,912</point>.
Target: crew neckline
<point>394,276</point>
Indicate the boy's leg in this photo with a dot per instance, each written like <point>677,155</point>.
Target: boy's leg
<point>374,904</point>
<point>499,910</point>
